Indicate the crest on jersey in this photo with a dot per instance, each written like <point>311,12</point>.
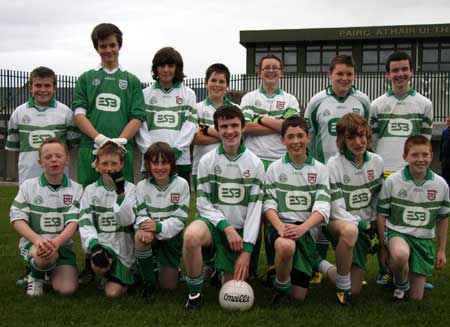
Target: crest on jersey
<point>153,100</point>
<point>95,200</point>
<point>178,100</point>
<point>387,108</point>
<point>147,198</point>
<point>217,170</point>
<point>402,193</point>
<point>246,173</point>
<point>67,199</point>
<point>312,178</point>
<point>346,179</point>
<point>96,82</point>
<point>431,195</point>
<point>174,197</point>
<point>282,178</point>
<point>326,112</point>
<point>280,104</point>
<point>258,103</point>
<point>26,119</point>
<point>370,174</point>
<point>38,200</point>
<point>123,84</point>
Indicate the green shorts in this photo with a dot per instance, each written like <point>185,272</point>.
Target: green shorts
<point>119,270</point>
<point>360,251</point>
<point>169,252</point>
<point>225,258</point>
<point>422,253</point>
<point>65,255</point>
<point>87,175</point>
<point>306,259</point>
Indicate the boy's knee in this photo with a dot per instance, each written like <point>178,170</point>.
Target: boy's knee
<point>191,239</point>
<point>399,255</point>
<point>284,248</point>
<point>66,289</point>
<point>349,235</point>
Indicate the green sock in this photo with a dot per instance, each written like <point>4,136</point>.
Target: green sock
<point>145,260</point>
<point>195,285</point>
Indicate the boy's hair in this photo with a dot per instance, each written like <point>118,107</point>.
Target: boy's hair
<point>270,56</point>
<point>42,72</point>
<point>103,31</point>
<point>164,150</point>
<point>51,140</point>
<point>228,111</point>
<point>294,121</point>
<point>218,69</point>
<point>343,60</point>
<point>110,148</point>
<point>397,56</point>
<point>416,140</point>
<point>168,56</point>
<point>350,123</point>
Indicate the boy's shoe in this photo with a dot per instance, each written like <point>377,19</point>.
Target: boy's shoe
<point>316,278</point>
<point>428,286</point>
<point>87,276</point>
<point>400,296</point>
<point>280,300</point>
<point>215,278</point>
<point>194,302</point>
<point>148,290</point>
<point>344,298</point>
<point>35,287</point>
<point>384,279</point>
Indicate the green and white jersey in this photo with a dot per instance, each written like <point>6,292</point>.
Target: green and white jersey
<point>109,99</point>
<point>394,119</point>
<point>322,113</point>
<point>279,105</point>
<point>414,208</point>
<point>230,191</point>
<point>30,125</point>
<point>295,192</point>
<point>107,221</point>
<point>354,189</point>
<point>205,112</point>
<point>171,117</point>
<point>46,210</point>
<point>168,206</point>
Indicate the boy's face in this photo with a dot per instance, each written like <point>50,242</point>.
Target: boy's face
<point>53,159</point>
<point>166,73</point>
<point>271,71</point>
<point>108,49</point>
<point>216,85</point>
<point>341,79</point>
<point>43,90</point>
<point>295,140</point>
<point>160,170</point>
<point>418,158</point>
<point>400,73</point>
<point>356,144</point>
<point>108,163</point>
<point>230,132</point>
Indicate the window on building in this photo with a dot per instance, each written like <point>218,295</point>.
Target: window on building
<point>318,57</point>
<point>435,56</point>
<point>287,53</point>
<point>376,54</point>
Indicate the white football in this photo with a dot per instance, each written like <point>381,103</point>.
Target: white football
<point>236,295</point>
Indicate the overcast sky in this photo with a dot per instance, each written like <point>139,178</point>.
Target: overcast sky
<point>56,33</point>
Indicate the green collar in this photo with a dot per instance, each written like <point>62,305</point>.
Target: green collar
<point>209,102</point>
<point>221,150</point>
<point>151,180</point>
<point>263,91</point>
<point>51,104</point>
<point>176,85</point>
<point>309,160</point>
<point>350,157</point>
<point>44,182</point>
<point>411,91</point>
<point>100,182</point>
<point>408,177</point>
<point>331,92</point>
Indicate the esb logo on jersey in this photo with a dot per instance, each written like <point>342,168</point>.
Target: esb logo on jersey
<point>67,199</point>
<point>280,104</point>
<point>178,100</point>
<point>312,178</point>
<point>107,102</point>
<point>36,138</point>
<point>431,195</point>
<point>174,197</point>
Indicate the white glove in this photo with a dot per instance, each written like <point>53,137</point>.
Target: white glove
<point>100,140</point>
<point>119,141</point>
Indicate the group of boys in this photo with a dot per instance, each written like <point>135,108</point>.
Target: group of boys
<point>253,166</point>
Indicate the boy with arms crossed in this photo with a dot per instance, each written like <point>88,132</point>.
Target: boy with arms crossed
<point>356,177</point>
<point>162,211</point>
<point>45,214</point>
<point>411,203</point>
<point>229,201</point>
<point>106,219</point>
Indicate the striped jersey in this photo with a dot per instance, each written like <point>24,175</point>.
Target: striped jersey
<point>280,105</point>
<point>413,208</point>
<point>394,119</point>
<point>30,125</point>
<point>46,210</point>
<point>295,192</point>
<point>171,117</point>
<point>167,206</point>
<point>230,191</point>
<point>322,114</point>
<point>354,189</point>
<point>106,221</point>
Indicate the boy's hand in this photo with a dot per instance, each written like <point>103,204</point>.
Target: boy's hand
<point>148,226</point>
<point>120,141</point>
<point>441,260</point>
<point>100,257</point>
<point>100,140</point>
<point>294,232</point>
<point>241,267</point>
<point>234,239</point>
<point>119,181</point>
<point>144,236</point>
<point>45,248</point>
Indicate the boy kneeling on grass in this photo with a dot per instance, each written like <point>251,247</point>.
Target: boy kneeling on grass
<point>45,213</point>
<point>412,202</point>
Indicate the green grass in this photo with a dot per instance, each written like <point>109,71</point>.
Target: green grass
<point>89,307</point>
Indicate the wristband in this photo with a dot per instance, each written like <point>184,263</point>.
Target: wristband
<point>260,120</point>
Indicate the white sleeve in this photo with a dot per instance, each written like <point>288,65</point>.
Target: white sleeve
<point>270,191</point>
<point>189,128</point>
<point>13,140</point>
<point>140,208</point>
<point>88,232</point>
<point>20,210</point>
<point>124,213</point>
<point>322,199</point>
